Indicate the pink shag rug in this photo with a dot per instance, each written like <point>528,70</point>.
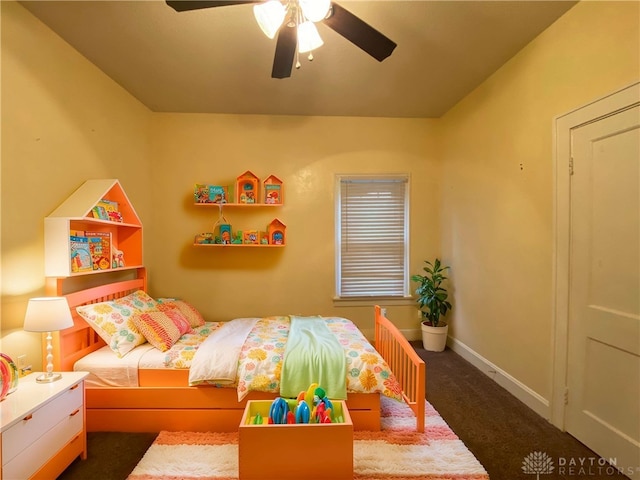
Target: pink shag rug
<point>397,452</point>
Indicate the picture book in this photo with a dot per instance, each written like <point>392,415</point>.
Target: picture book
<point>250,237</point>
<point>108,205</point>
<point>201,193</point>
<point>272,193</point>
<point>108,210</point>
<point>204,238</point>
<point>100,249</point>
<point>225,233</point>
<point>218,194</point>
<point>80,254</point>
<point>205,193</point>
<point>100,212</point>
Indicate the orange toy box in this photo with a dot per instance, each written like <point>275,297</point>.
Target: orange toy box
<point>294,451</point>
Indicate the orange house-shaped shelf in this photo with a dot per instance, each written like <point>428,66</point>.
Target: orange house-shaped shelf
<point>76,214</point>
<point>247,188</point>
<point>272,190</point>
<point>276,231</point>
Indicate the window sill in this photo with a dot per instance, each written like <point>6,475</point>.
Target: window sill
<point>370,301</point>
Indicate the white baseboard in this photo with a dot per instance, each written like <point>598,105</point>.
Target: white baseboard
<point>533,400</point>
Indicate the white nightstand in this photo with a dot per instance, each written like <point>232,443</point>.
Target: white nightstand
<point>43,427</point>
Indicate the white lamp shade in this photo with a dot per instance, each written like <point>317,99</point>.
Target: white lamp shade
<point>315,10</point>
<point>270,16</point>
<point>308,37</point>
<point>47,314</point>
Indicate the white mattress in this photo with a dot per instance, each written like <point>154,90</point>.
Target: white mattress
<point>107,370</point>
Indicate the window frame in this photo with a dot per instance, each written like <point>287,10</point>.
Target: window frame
<point>400,298</point>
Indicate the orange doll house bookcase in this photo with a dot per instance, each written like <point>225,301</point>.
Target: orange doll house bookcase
<point>75,218</point>
<point>272,190</point>
<point>276,231</point>
<point>247,188</point>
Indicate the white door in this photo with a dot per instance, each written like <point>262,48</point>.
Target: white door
<point>603,368</point>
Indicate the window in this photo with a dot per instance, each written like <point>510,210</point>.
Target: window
<point>372,236</point>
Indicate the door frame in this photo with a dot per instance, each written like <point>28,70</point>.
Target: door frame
<point>562,126</point>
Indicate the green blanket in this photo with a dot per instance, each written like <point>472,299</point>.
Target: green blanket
<point>313,355</point>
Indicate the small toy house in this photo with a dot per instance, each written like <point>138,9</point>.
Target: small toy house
<point>276,231</point>
<point>272,190</point>
<point>247,188</point>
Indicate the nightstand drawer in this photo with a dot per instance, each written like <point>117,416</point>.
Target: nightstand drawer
<point>27,432</point>
<point>40,451</point>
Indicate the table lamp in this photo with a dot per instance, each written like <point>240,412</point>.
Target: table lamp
<point>48,314</point>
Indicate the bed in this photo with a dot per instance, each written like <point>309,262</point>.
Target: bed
<point>163,399</point>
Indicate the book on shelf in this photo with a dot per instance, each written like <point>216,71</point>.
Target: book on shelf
<point>205,193</point>
<point>100,249</point>
<point>99,212</point>
<point>272,193</point>
<point>80,254</point>
<point>107,210</point>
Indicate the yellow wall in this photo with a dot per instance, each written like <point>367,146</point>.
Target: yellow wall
<point>498,182</point>
<point>63,121</point>
<point>306,153</point>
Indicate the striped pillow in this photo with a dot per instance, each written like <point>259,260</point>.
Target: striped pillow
<point>162,329</point>
<point>190,312</point>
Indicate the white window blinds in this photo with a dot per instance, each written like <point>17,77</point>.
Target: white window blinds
<point>372,237</point>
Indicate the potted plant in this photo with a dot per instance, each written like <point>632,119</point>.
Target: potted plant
<point>433,303</point>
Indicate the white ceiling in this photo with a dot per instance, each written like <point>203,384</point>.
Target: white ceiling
<point>218,60</point>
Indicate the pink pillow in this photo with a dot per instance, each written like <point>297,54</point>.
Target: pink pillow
<point>162,329</point>
<point>190,312</point>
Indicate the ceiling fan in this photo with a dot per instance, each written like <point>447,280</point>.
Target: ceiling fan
<point>293,14</point>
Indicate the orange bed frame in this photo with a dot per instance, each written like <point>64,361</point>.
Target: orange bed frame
<point>164,401</point>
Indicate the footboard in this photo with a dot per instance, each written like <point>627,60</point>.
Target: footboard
<point>405,363</point>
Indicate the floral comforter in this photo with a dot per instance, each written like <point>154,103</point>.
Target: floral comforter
<point>261,357</point>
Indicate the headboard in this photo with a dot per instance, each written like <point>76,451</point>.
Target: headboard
<point>73,343</point>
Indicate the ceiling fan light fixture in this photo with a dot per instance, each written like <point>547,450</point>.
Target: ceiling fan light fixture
<point>308,37</point>
<point>270,16</point>
<point>315,10</point>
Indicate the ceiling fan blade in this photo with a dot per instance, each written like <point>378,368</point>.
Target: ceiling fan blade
<point>185,5</point>
<point>359,33</point>
<point>285,52</point>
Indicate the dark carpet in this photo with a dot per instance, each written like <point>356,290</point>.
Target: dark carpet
<point>500,430</point>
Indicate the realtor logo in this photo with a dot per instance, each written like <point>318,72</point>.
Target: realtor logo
<point>537,463</point>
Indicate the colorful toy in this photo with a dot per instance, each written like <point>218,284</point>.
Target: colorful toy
<point>225,233</point>
<point>257,419</point>
<point>291,418</point>
<point>205,238</point>
<point>250,237</point>
<point>310,406</point>
<point>13,372</point>
<point>303,414</point>
<point>309,395</point>
<point>279,411</point>
<point>237,239</point>
<point>118,258</point>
